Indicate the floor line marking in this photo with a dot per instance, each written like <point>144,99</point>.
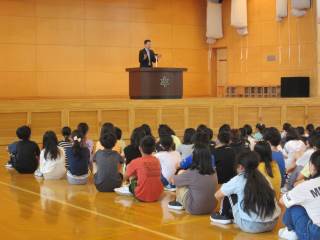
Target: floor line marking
<point>92,212</point>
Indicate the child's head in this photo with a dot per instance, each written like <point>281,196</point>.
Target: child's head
<point>77,140</point>
<point>225,127</point>
<point>147,145</point>
<point>202,160</point>
<point>235,136</point>
<point>273,136</point>
<point>286,127</point>
<point>107,127</point>
<point>166,143</point>
<point>292,134</point>
<point>118,133</point>
<point>24,133</point>
<point>188,135</point>
<point>83,128</point>
<point>164,129</point>
<point>201,138</point>
<point>147,129</point>
<point>108,140</point>
<point>264,150</point>
<point>248,129</point>
<point>314,141</point>
<point>66,133</point>
<point>315,164</point>
<point>136,136</point>
<point>300,130</point>
<point>260,127</point>
<point>258,194</point>
<point>224,137</point>
<point>50,144</point>
<point>310,128</point>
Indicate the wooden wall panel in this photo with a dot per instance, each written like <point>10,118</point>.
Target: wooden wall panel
<point>90,117</point>
<point>120,118</point>
<point>223,115</point>
<point>149,116</point>
<point>198,115</point>
<point>296,115</point>
<point>9,122</point>
<point>44,121</point>
<point>248,115</point>
<point>175,118</point>
<point>271,116</point>
<point>313,115</point>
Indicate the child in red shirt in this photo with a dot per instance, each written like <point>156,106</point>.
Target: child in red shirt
<point>146,171</point>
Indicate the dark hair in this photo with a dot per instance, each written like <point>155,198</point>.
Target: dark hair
<point>77,144</point>
<point>235,136</point>
<point>258,194</point>
<point>164,129</point>
<point>260,127</point>
<point>286,126</point>
<point>310,128</point>
<point>148,145</point>
<point>300,131</point>
<point>50,145</point>
<point>225,127</point>
<point>166,142</point>
<point>66,133</point>
<point>224,137</point>
<point>201,127</point>
<point>202,160</point>
<point>107,127</point>
<point>108,140</point>
<point>136,136</point>
<point>147,129</point>
<point>315,160</point>
<point>248,129</point>
<point>200,138</point>
<point>314,141</point>
<point>273,136</point>
<point>83,128</point>
<point>188,135</point>
<point>24,132</point>
<point>264,150</point>
<point>292,134</point>
<point>146,41</point>
<point>118,133</point>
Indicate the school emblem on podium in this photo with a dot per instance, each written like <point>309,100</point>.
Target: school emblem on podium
<point>164,81</point>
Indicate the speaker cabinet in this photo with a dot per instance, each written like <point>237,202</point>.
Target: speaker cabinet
<point>292,87</point>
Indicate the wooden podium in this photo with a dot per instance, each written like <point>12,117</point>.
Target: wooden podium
<point>155,83</point>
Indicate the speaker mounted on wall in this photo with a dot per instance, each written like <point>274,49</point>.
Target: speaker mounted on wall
<point>292,87</point>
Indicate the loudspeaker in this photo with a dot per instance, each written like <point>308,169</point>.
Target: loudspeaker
<point>295,87</point>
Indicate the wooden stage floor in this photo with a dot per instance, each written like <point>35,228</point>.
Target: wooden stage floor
<point>55,210</point>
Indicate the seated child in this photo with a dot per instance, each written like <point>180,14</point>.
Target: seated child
<point>253,202</point>
<point>268,167</point>
<point>224,157</point>
<point>302,216</point>
<point>107,128</point>
<point>108,176</point>
<point>52,158</point>
<point>66,142</point>
<point>145,173</point>
<point>186,148</point>
<point>83,128</point>
<point>79,158</point>
<point>27,152</point>
<point>293,145</point>
<point>196,186</point>
<point>132,151</point>
<point>169,160</point>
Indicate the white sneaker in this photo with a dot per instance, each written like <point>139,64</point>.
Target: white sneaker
<point>169,188</point>
<point>123,191</point>
<point>284,233</point>
<point>8,165</point>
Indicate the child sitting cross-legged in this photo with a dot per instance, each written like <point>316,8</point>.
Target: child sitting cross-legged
<point>109,163</point>
<point>144,173</point>
<point>196,186</point>
<point>253,201</point>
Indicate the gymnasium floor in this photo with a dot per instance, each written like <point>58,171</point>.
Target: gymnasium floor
<point>32,209</point>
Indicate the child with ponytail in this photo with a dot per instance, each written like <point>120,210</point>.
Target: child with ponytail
<point>79,158</point>
<point>253,202</point>
<point>302,217</point>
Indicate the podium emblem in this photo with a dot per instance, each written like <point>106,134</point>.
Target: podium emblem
<point>164,81</point>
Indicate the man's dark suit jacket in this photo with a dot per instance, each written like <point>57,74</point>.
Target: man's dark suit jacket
<point>145,62</point>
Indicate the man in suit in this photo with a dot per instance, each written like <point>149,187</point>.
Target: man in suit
<point>147,56</point>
